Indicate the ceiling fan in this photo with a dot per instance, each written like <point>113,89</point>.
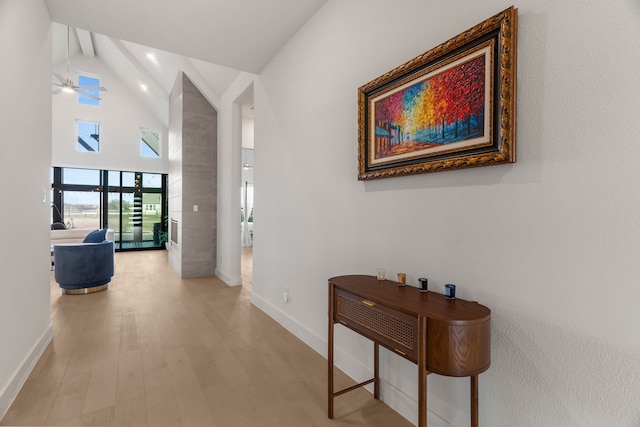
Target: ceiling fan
<point>66,84</point>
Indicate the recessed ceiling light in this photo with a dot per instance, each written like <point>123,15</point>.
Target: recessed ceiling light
<point>152,58</point>
<point>143,87</point>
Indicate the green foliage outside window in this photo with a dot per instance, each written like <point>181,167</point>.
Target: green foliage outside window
<point>242,215</point>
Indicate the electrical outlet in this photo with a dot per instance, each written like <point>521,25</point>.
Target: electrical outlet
<point>285,295</point>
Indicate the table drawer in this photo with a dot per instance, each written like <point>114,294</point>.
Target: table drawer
<point>393,329</point>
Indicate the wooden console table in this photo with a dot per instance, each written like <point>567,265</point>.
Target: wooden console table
<point>449,337</point>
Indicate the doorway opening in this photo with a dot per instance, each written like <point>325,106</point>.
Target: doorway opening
<point>246,200</point>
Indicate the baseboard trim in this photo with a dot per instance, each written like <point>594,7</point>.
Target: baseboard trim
<point>395,398</point>
<point>343,360</point>
<point>407,406</point>
<point>309,337</point>
<point>231,281</point>
<point>10,392</point>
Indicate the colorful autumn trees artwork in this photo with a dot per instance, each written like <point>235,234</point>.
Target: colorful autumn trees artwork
<point>444,108</point>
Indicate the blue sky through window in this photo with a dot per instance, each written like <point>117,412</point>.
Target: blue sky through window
<point>88,136</point>
<point>81,176</point>
<point>152,180</point>
<point>146,151</point>
<point>88,81</point>
<point>149,143</point>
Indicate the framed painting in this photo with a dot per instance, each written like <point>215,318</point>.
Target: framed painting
<point>452,107</point>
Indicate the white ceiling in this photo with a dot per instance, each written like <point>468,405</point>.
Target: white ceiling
<point>239,34</point>
<point>147,42</point>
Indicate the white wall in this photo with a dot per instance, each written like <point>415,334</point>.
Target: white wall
<point>25,162</point>
<point>229,179</point>
<point>121,115</point>
<point>550,243</point>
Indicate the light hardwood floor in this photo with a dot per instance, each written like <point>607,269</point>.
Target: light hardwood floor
<point>155,350</point>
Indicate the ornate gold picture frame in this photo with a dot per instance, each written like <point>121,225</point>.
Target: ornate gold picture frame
<point>452,107</point>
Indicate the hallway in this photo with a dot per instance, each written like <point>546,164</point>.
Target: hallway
<point>155,350</point>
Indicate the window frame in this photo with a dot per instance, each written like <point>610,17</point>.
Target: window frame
<point>84,143</point>
<point>143,143</point>
<point>90,102</point>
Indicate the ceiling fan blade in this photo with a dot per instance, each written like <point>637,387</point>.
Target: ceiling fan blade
<point>88,95</point>
<point>66,84</point>
<point>100,88</point>
<point>59,77</point>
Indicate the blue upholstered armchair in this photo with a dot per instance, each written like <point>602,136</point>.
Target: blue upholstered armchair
<point>82,268</point>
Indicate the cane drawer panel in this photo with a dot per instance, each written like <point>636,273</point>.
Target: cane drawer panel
<point>394,329</point>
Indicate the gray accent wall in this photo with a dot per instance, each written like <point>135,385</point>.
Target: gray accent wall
<point>193,153</point>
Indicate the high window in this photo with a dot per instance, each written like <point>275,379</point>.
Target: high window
<point>85,80</point>
<point>88,136</point>
<point>149,143</point>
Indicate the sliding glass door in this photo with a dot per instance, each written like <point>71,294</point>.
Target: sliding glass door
<point>141,207</point>
<point>134,204</point>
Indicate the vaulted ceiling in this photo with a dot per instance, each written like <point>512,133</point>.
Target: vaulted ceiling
<point>146,42</point>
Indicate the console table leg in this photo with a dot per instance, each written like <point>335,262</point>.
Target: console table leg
<point>376,370</point>
<point>330,379</point>
<point>422,399</point>
<point>330,356</point>
<point>474,401</point>
<point>422,372</point>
